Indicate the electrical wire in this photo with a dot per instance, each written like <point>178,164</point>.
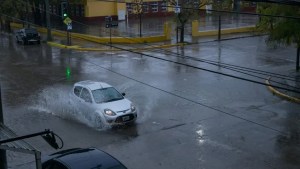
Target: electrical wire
<point>235,76</point>
<point>190,100</point>
<point>210,107</point>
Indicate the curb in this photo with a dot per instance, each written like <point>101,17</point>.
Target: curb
<point>76,47</point>
<point>282,95</point>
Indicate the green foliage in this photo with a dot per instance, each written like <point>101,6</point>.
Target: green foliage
<point>189,9</point>
<point>222,5</point>
<point>281,30</point>
<point>9,8</point>
<point>137,6</point>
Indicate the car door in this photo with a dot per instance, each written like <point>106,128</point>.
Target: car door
<point>86,102</point>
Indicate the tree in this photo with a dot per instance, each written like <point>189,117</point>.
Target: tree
<point>281,30</point>
<point>9,10</point>
<point>137,6</point>
<point>189,9</point>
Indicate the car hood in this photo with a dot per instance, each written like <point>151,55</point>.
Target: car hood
<point>119,105</point>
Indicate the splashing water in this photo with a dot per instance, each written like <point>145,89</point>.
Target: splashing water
<point>57,100</point>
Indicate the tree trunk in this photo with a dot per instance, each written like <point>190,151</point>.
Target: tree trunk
<point>7,26</point>
<point>182,33</point>
<point>297,61</point>
<point>1,24</point>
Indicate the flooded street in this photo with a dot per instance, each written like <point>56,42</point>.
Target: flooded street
<point>188,117</point>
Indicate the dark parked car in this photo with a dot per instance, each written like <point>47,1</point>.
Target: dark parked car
<point>81,158</point>
<point>28,35</point>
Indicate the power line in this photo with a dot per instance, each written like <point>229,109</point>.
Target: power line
<point>211,71</point>
<point>190,100</point>
<point>214,71</point>
<point>210,107</point>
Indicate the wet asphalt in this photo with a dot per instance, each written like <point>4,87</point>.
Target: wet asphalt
<point>188,118</point>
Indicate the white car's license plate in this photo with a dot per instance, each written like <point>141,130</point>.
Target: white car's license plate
<point>125,118</point>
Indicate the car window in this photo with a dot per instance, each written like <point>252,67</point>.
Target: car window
<point>31,31</point>
<point>77,90</point>
<point>106,95</point>
<point>54,165</point>
<point>58,166</point>
<point>118,167</point>
<point>85,95</point>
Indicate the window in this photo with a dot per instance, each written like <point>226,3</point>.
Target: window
<point>82,10</point>
<point>77,10</point>
<point>77,90</point>
<point>164,6</point>
<point>129,8</point>
<point>85,95</point>
<point>53,165</point>
<point>154,6</point>
<point>145,7</point>
<point>58,166</point>
<point>106,95</point>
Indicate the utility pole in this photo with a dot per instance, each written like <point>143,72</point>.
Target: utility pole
<point>3,161</point>
<point>140,16</point>
<point>27,15</point>
<point>219,30</point>
<point>48,21</point>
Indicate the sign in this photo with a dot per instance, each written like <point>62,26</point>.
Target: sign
<point>108,19</point>
<point>111,24</point>
<point>69,26</point>
<point>177,9</point>
<point>67,21</point>
<point>114,24</point>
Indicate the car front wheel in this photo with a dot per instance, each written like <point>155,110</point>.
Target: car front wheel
<point>98,122</point>
<point>24,42</point>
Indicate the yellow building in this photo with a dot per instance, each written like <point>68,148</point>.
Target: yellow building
<point>98,9</point>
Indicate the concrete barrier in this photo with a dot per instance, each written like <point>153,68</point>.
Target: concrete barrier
<point>197,33</point>
<point>116,40</point>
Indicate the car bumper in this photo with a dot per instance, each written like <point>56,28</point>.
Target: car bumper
<point>122,119</point>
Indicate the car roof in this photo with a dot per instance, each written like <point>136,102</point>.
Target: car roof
<point>30,29</point>
<point>92,85</point>
<point>87,158</point>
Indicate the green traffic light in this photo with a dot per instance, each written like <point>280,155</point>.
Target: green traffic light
<point>68,73</point>
<point>65,15</point>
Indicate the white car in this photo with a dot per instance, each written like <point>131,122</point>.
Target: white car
<point>103,104</point>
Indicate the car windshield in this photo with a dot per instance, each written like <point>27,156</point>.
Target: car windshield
<point>106,95</point>
<point>32,31</point>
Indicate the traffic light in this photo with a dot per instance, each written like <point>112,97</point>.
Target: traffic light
<point>68,72</point>
<point>65,13</point>
<point>64,10</point>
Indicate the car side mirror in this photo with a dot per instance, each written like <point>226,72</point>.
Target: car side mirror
<point>123,94</point>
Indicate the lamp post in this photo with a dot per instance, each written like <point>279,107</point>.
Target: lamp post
<point>3,161</point>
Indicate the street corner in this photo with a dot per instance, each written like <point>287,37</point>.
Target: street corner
<point>282,94</point>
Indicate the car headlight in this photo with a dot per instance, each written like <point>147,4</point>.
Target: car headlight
<point>109,112</point>
<point>132,107</point>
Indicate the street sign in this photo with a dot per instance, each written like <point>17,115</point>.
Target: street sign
<point>111,24</point>
<point>67,21</point>
<point>108,19</point>
<point>177,9</point>
<point>114,24</point>
<point>69,26</point>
